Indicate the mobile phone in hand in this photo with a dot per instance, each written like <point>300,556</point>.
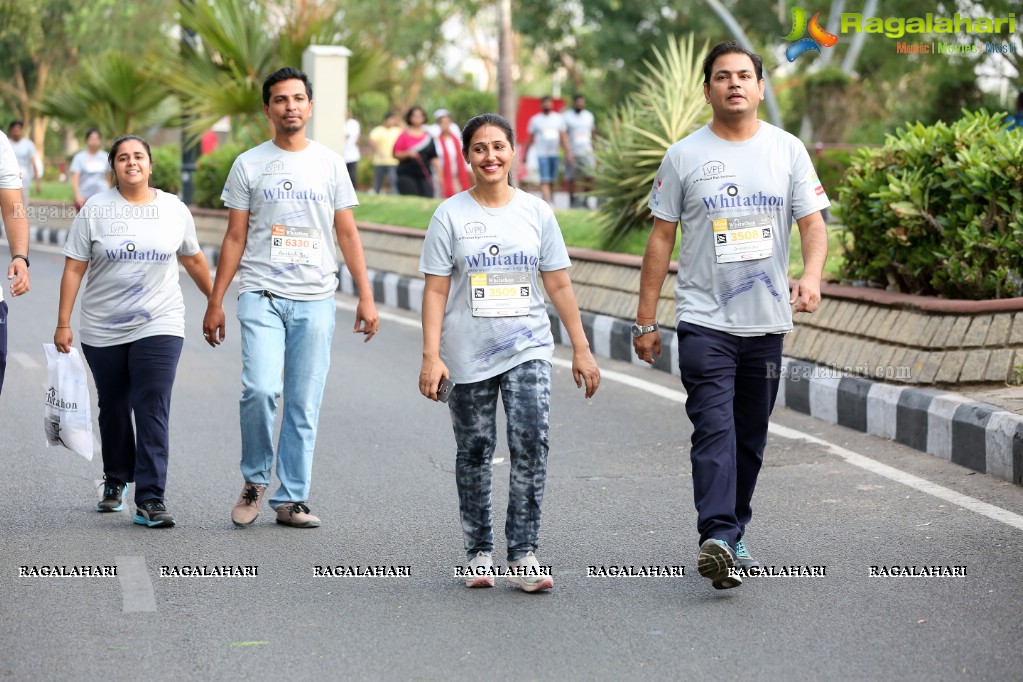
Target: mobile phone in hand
<point>444,389</point>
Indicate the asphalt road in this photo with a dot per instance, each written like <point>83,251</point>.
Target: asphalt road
<point>618,494</point>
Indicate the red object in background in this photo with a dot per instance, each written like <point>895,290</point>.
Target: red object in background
<point>208,143</point>
<point>528,107</point>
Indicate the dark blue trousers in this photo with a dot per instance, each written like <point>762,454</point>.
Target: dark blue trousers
<point>3,342</point>
<point>732,382</point>
<point>136,378</point>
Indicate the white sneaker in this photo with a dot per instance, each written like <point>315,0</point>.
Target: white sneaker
<point>528,574</point>
<point>481,571</point>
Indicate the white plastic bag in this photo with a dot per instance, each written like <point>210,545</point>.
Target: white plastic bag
<point>67,412</point>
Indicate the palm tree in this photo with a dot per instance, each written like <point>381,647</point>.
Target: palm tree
<point>240,42</point>
<point>114,93</point>
<point>668,106</point>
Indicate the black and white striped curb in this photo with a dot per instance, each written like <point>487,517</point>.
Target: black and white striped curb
<point>978,436</point>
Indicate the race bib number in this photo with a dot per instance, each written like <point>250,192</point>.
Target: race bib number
<point>299,245</point>
<point>505,294</point>
<point>749,237</point>
<point>549,134</point>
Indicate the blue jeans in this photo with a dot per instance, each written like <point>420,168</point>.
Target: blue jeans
<point>548,168</point>
<point>135,380</point>
<point>285,345</point>
<point>3,342</point>
<point>526,392</point>
<point>731,396</point>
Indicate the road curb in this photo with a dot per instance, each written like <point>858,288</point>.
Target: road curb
<point>979,436</point>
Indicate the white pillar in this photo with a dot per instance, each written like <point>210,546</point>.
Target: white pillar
<point>327,68</point>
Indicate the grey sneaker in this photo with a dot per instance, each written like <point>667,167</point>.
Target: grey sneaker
<point>743,559</point>
<point>115,493</point>
<point>481,571</point>
<point>246,509</point>
<point>296,514</point>
<point>528,574</point>
<point>714,561</point>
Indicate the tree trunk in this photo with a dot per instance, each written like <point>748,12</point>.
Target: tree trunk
<point>506,99</point>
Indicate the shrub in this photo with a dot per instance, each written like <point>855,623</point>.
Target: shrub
<point>211,175</point>
<point>668,106</point>
<point>167,168</point>
<point>938,210</point>
<point>831,165</point>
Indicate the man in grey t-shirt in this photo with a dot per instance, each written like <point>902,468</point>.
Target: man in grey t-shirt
<point>736,185</point>
<point>284,197</point>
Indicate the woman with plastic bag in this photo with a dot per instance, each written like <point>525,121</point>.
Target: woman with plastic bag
<point>132,321</point>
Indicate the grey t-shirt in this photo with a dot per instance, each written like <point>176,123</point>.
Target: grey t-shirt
<point>736,201</point>
<point>580,131</point>
<point>495,318</point>
<point>25,151</point>
<point>10,172</point>
<point>92,170</point>
<point>131,289</point>
<point>546,130</point>
<point>291,198</point>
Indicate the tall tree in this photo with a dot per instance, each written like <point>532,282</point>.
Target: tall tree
<point>41,38</point>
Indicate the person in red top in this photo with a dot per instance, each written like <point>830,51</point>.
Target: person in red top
<point>452,175</point>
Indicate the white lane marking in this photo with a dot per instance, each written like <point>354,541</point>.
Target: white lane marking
<point>965,501</point>
<point>136,587</point>
<point>25,360</point>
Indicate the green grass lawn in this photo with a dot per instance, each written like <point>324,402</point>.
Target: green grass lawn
<point>55,191</point>
<point>580,227</point>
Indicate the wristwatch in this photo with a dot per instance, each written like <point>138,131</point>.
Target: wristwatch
<point>22,257</point>
<point>638,331</point>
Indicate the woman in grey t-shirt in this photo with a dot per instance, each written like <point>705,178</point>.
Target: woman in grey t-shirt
<point>90,169</point>
<point>486,329</point>
<point>131,239</point>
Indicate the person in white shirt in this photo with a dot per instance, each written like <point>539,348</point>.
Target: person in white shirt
<point>130,239</point>
<point>486,329</point>
<point>351,155</point>
<point>285,197</point>
<point>547,134</point>
<point>737,185</point>
<point>581,131</point>
<point>28,159</point>
<point>90,170</point>
<point>15,223</point>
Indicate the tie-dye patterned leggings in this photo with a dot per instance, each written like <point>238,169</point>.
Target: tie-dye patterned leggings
<point>526,393</point>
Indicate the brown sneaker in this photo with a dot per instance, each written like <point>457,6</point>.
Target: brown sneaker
<point>296,514</point>
<point>246,509</point>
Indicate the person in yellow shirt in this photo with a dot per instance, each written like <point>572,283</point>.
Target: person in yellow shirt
<point>383,138</point>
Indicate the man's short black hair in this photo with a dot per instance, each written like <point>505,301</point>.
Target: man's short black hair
<point>286,74</point>
<point>16,122</point>
<point>731,47</point>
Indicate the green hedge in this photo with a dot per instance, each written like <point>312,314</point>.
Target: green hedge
<point>938,210</point>
<point>831,165</point>
<point>166,168</point>
<point>211,175</point>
